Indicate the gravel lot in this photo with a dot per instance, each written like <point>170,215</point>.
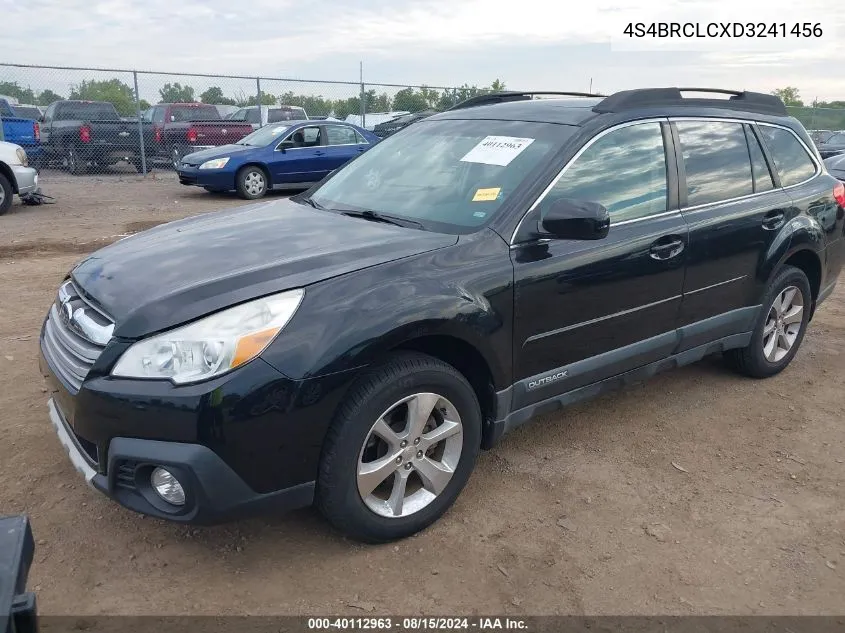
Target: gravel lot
<point>697,492</point>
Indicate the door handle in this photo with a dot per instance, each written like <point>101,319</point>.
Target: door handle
<point>662,250</point>
<point>773,220</point>
<point>318,153</point>
<point>360,149</point>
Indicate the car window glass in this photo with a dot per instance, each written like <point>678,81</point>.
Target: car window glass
<point>836,139</point>
<point>625,171</point>
<point>793,163</point>
<point>759,168</point>
<point>240,115</point>
<point>304,137</point>
<point>360,138</point>
<point>158,115</point>
<point>253,116</point>
<point>340,135</point>
<point>716,161</point>
<point>49,113</point>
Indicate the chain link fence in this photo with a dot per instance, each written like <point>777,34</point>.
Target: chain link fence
<point>87,119</point>
<point>832,119</point>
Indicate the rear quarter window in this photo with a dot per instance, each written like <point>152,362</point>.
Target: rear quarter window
<point>791,159</point>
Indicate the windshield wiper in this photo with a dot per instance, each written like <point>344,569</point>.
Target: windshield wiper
<point>313,204</point>
<point>374,216</point>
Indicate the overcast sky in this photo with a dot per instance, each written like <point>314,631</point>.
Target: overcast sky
<point>531,44</point>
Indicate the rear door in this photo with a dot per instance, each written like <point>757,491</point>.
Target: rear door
<point>588,310</point>
<point>342,145</point>
<point>734,206</point>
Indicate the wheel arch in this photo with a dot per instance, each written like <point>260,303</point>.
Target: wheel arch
<point>7,172</point>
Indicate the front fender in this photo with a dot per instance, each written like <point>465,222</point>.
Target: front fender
<point>463,291</point>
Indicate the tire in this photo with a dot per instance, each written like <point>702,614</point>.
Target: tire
<point>7,193</point>
<point>251,182</point>
<point>139,167</point>
<point>74,165</point>
<point>351,445</point>
<point>760,360</point>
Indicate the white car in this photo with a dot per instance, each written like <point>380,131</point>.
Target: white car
<point>269,114</point>
<point>16,177</point>
<point>372,119</point>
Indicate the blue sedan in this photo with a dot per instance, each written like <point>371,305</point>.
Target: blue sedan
<point>289,155</point>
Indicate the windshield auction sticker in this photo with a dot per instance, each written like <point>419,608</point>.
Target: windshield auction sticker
<point>497,150</point>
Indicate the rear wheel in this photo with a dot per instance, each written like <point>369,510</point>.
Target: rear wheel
<point>74,164</point>
<point>400,449</point>
<point>251,182</point>
<point>176,155</point>
<point>780,327</point>
<point>6,194</point>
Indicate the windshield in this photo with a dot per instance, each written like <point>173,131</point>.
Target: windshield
<point>836,139</point>
<point>451,175</point>
<point>194,113</point>
<point>263,136</point>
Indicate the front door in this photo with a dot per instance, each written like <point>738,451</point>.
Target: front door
<point>588,310</point>
<point>341,146</point>
<point>301,160</point>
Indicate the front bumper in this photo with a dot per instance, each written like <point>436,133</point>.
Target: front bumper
<point>213,491</point>
<point>26,179</point>
<point>215,178</point>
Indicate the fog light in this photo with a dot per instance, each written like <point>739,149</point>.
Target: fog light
<point>167,486</point>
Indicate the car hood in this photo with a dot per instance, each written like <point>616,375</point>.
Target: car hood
<point>203,155</point>
<point>180,271</point>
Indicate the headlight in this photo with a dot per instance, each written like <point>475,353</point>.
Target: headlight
<point>22,156</point>
<point>212,345</point>
<point>215,163</point>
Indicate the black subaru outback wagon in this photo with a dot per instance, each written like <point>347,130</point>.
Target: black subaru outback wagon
<point>357,345</point>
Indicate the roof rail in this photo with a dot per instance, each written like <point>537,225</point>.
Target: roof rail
<point>647,97</point>
<point>511,95</point>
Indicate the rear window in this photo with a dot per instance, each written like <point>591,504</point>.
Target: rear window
<point>716,161</point>
<point>791,159</point>
<point>87,111</point>
<point>286,114</point>
<point>27,113</point>
<point>194,113</point>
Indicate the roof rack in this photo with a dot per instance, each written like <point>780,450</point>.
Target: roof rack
<point>648,97</point>
<point>501,97</point>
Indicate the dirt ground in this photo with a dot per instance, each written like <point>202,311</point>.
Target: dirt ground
<point>697,492</point>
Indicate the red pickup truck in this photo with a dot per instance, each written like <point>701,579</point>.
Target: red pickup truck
<point>181,128</point>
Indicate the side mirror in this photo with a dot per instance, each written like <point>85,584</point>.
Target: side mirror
<point>285,145</point>
<point>576,220</point>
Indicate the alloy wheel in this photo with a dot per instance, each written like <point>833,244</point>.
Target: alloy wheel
<point>783,324</point>
<point>410,455</point>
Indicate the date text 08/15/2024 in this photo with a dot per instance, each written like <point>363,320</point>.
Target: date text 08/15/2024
<point>417,623</point>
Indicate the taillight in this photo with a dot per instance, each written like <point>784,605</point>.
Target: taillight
<point>85,134</point>
<point>839,193</point>
<point>158,135</point>
<point>191,135</point>
<point>36,130</point>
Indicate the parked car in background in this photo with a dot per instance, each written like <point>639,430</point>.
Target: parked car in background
<point>268,114</point>
<point>277,156</point>
<point>81,135</point>
<point>383,130</point>
<point>183,128</point>
<point>20,129</point>
<point>820,136</point>
<point>225,110</point>
<point>833,145</point>
<point>16,177</point>
<point>372,119</point>
<point>836,166</point>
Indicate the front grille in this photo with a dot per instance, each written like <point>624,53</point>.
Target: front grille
<point>125,475</point>
<point>75,334</point>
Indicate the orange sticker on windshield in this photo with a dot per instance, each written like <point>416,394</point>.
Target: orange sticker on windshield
<point>486,195</point>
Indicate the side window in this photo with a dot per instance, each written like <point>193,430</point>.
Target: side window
<point>716,161</point>
<point>793,163</point>
<point>158,115</point>
<point>253,116</point>
<point>305,137</point>
<point>240,115</point>
<point>340,135</point>
<point>625,171</point>
<point>359,138</point>
<point>48,116</point>
<point>759,167</point>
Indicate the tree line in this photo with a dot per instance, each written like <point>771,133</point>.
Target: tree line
<point>123,97</point>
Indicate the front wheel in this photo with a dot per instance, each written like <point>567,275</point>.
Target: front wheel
<point>176,155</point>
<point>6,193</point>
<point>400,449</point>
<point>251,182</point>
<point>780,327</point>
